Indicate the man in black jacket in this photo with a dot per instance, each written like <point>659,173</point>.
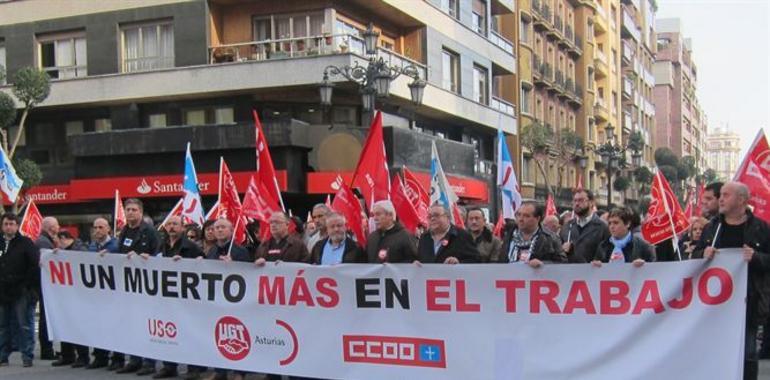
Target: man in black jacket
<point>337,247</point>
<point>582,235</point>
<point>444,243</point>
<point>390,242</point>
<point>136,238</point>
<point>737,227</point>
<point>529,242</point>
<point>48,239</point>
<point>19,276</point>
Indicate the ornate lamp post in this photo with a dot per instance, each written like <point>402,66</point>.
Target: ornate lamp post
<point>613,156</point>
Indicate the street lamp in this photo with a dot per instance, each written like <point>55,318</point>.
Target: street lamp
<point>374,78</point>
<point>613,156</point>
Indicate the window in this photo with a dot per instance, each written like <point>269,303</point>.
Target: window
<point>2,62</point>
<point>452,7</point>
<point>157,120</point>
<point>102,125</point>
<point>524,31</point>
<point>63,56</point>
<point>450,71</point>
<point>480,85</point>
<point>73,127</point>
<point>526,172</point>
<point>526,95</point>
<point>195,117</point>
<point>283,27</point>
<point>351,38</point>
<point>12,130</point>
<point>224,115</point>
<point>479,18</point>
<point>43,134</point>
<point>147,46</point>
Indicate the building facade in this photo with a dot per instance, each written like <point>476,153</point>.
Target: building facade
<point>133,81</point>
<point>681,124</point>
<point>723,148</point>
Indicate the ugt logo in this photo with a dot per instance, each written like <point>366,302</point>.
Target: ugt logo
<point>232,338</point>
<point>161,329</point>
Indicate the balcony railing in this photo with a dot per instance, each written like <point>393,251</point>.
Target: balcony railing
<point>558,23</point>
<point>628,86</point>
<point>559,78</point>
<point>629,26</point>
<point>579,91</point>
<point>628,52</point>
<point>548,71</point>
<point>569,85</point>
<point>600,56</point>
<point>536,64</point>
<point>569,33</point>
<point>501,42</point>
<point>503,106</point>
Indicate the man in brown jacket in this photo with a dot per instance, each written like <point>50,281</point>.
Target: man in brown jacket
<point>489,245</point>
<point>390,242</point>
<point>281,246</point>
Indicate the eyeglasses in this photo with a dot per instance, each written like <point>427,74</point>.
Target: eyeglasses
<point>436,215</point>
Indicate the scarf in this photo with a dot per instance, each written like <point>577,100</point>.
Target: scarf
<point>518,243</point>
<point>617,249</point>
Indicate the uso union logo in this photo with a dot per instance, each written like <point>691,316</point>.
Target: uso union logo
<point>161,329</point>
<point>232,338</point>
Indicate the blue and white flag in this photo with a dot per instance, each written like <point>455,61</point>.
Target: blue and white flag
<point>440,191</point>
<point>10,183</point>
<point>506,178</point>
<point>191,202</point>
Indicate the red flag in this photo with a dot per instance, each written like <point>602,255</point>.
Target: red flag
<point>346,203</point>
<point>417,195</point>
<point>758,180</point>
<point>258,205</point>
<point>119,214</point>
<point>32,222</point>
<point>665,218</point>
<point>371,175</point>
<point>550,207</point>
<point>404,209</point>
<point>229,201</point>
<point>265,168</point>
<point>457,216</point>
<point>759,153</point>
<point>212,215</point>
<point>697,205</point>
<point>499,226</point>
<point>175,211</point>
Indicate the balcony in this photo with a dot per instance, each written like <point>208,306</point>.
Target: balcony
<point>577,47</point>
<point>628,53</point>
<point>544,21</point>
<point>628,122</point>
<point>536,8</point>
<point>501,42</point>
<point>629,29</point>
<point>576,94</point>
<point>503,106</point>
<point>628,88</point>
<point>600,64</point>
<point>536,66</point>
<point>600,110</point>
<point>600,21</point>
<point>647,77</point>
<point>558,26</point>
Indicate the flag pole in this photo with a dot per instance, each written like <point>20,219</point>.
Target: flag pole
<point>235,230</point>
<point>674,238</point>
<point>115,213</point>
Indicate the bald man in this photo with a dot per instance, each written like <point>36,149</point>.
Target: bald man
<point>737,227</point>
<point>103,242</point>
<point>48,239</point>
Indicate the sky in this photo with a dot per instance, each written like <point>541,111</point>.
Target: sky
<point>731,45</point>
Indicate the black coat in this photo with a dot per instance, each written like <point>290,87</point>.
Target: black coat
<point>585,240</point>
<point>756,234</point>
<point>457,243</point>
<point>19,269</point>
<point>636,249</point>
<point>547,248</point>
<point>183,247</point>
<point>353,252</point>
<point>237,253</point>
<point>396,242</point>
<point>143,239</point>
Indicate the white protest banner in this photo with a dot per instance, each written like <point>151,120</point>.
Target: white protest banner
<point>567,321</point>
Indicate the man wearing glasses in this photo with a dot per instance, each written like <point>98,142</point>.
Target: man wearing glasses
<point>445,243</point>
<point>582,235</point>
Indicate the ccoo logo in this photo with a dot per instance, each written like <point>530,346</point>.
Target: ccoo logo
<point>232,338</point>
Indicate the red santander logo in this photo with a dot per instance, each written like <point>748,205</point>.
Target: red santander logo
<point>232,338</point>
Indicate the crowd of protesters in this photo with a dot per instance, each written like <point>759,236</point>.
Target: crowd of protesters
<point>584,234</point>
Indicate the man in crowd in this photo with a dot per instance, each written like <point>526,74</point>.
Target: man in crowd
<point>710,200</point>
<point>529,242</point>
<point>281,245</point>
<point>487,244</point>
<point>137,238</point>
<point>389,242</point>
<point>19,278</point>
<point>736,227</point>
<point>551,224</point>
<point>319,220</point>
<point>582,235</point>
<point>623,246</point>
<point>48,239</point>
<point>103,242</point>
<point>444,242</point>
<point>337,248</point>
<point>69,350</point>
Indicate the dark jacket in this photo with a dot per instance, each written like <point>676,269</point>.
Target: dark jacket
<point>237,253</point>
<point>585,240</point>
<point>110,246</point>
<point>457,243</point>
<point>45,241</point>
<point>546,248</point>
<point>353,252</point>
<point>489,246</point>
<point>294,251</point>
<point>142,239</point>
<point>396,242</point>
<point>19,269</point>
<point>756,234</point>
<point>183,247</point>
<point>638,248</point>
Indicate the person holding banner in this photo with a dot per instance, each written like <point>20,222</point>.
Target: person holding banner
<point>623,246</point>
<point>337,248</point>
<point>19,277</point>
<point>583,234</point>
<point>529,242</point>
<point>444,242</point>
<point>48,239</point>
<point>737,227</point>
<point>137,238</point>
<point>282,246</point>
<point>390,241</point>
<point>177,246</point>
<point>319,220</point>
<point>487,244</point>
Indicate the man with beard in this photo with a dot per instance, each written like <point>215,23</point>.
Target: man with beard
<point>582,235</point>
